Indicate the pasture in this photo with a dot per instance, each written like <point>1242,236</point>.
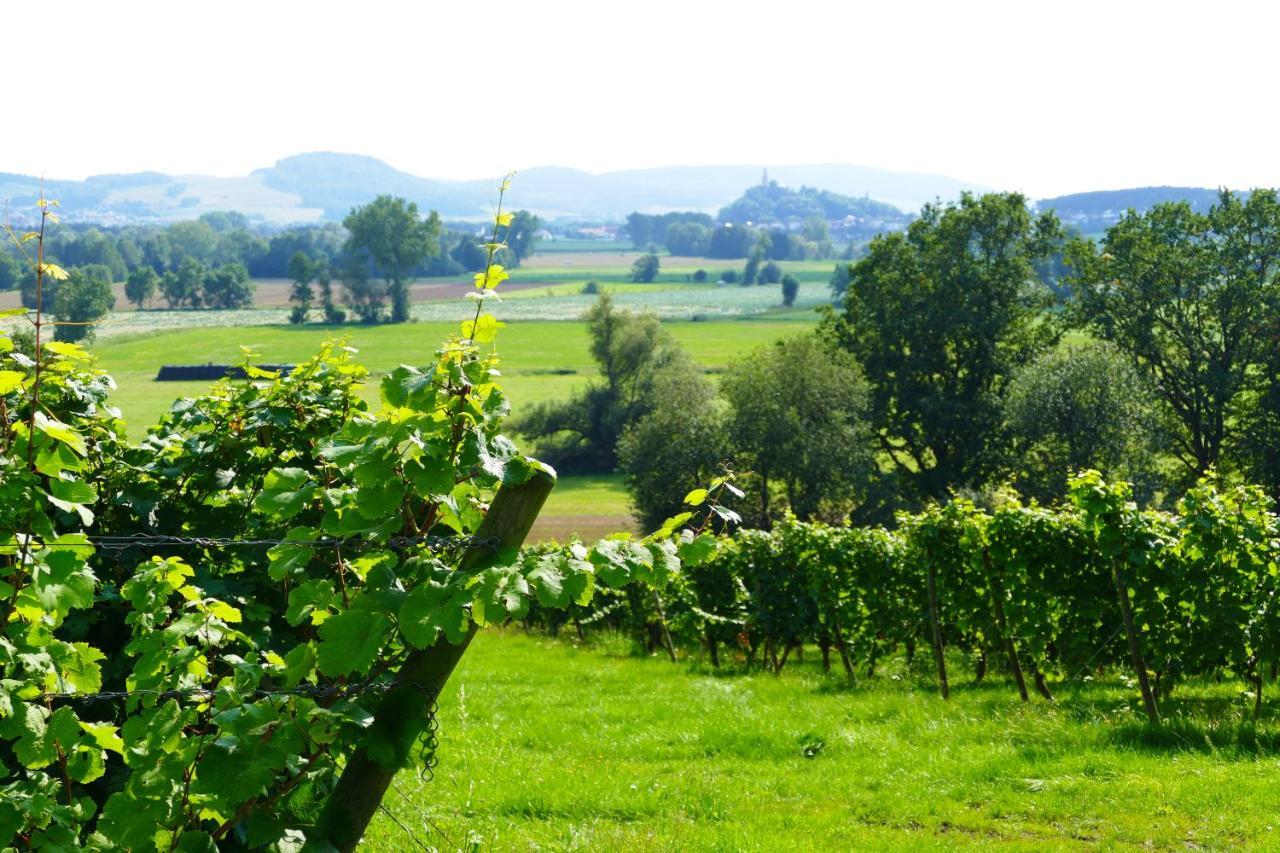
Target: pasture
<point>547,744</point>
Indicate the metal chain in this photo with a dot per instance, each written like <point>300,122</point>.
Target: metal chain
<point>427,757</point>
<point>145,540</point>
<point>313,691</point>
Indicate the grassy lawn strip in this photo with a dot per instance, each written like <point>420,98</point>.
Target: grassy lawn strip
<point>547,746</point>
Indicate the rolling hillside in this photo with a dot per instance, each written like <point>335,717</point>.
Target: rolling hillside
<point>316,186</point>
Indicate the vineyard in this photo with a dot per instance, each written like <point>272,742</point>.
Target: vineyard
<point>232,633</point>
<point>1041,593</point>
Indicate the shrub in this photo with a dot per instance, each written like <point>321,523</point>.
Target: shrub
<point>790,288</point>
<point>645,268</point>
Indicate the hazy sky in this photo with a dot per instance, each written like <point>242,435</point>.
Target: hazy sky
<point>1045,98</point>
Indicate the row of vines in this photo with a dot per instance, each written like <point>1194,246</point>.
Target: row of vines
<point>1048,592</point>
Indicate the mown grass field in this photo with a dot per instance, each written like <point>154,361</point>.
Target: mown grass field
<point>540,360</point>
<point>547,746</point>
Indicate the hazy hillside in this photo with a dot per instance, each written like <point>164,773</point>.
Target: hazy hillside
<point>1094,211</point>
<point>309,187</point>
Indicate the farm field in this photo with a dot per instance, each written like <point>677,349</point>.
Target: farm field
<point>544,745</point>
<point>565,272</point>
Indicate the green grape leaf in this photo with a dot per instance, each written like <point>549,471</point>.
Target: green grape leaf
<point>431,608</point>
<point>350,641</point>
<point>285,493</point>
<point>311,599</point>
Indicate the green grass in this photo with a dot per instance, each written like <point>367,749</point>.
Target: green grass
<point>546,746</point>
<point>541,360</point>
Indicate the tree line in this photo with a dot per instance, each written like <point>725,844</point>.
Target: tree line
<point>211,263</point>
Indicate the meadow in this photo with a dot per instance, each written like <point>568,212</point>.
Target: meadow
<point>552,744</point>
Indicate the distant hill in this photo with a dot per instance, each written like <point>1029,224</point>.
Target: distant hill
<point>773,204</point>
<point>1094,211</point>
<point>317,186</point>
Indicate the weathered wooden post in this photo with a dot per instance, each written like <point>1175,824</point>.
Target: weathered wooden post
<point>1135,648</point>
<point>997,601</point>
<point>935,625</point>
<point>403,713</point>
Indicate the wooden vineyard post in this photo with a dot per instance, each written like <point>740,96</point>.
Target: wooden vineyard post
<point>844,649</point>
<point>402,716</point>
<point>935,625</point>
<point>1135,650</point>
<point>997,600</point>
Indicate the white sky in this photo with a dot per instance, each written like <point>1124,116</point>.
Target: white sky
<point>1042,97</point>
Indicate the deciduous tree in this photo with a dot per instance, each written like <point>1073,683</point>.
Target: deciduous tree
<point>387,239</point>
<point>1186,295</point>
<point>940,317</point>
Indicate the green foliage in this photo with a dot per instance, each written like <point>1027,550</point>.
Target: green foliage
<point>732,241</point>
<point>386,239</point>
<point>253,672</point>
<point>1185,294</point>
<point>645,268</point>
<point>679,445</point>
<point>771,203</point>
<point>770,273</point>
<point>1076,408</point>
<point>939,318</point>
<point>83,299</point>
<point>228,286</point>
<point>689,239</point>
<point>522,235</point>
<point>790,289</point>
<point>633,353</point>
<point>645,229</point>
<point>302,271</point>
<point>141,285</point>
<point>751,271</point>
<point>798,422</point>
<point>10,271</point>
<point>184,284</point>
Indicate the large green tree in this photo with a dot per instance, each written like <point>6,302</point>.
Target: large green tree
<point>678,446</point>
<point>302,271</point>
<point>798,423</point>
<point>1187,295</point>
<point>386,239</point>
<point>940,316</point>
<point>522,234</point>
<point>228,286</point>
<point>10,271</point>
